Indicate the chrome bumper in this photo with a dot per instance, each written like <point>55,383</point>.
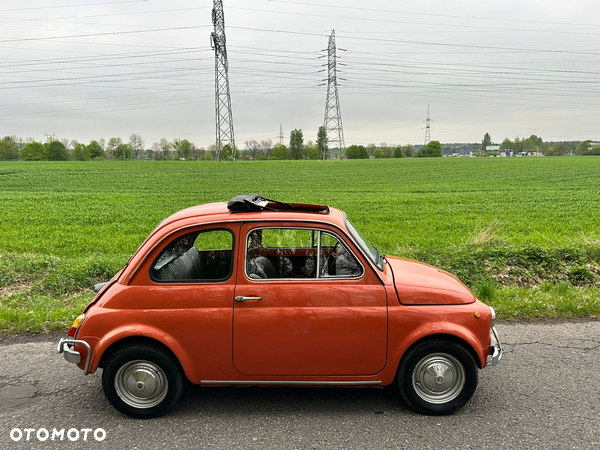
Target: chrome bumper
<point>65,346</point>
<point>495,351</point>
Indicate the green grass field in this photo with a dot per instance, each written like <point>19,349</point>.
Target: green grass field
<point>524,233</point>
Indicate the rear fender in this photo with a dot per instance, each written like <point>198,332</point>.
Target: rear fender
<point>143,331</point>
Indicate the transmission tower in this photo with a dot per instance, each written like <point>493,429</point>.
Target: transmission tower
<point>224,118</point>
<point>281,134</point>
<point>333,115</point>
<point>428,127</point>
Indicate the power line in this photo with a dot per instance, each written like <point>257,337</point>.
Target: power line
<point>89,16</point>
<point>35,8</point>
<point>453,16</point>
<point>107,33</point>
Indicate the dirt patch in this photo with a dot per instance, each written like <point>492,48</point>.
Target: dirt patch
<point>14,289</point>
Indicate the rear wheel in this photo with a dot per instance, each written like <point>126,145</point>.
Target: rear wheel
<point>142,381</point>
<point>437,377</point>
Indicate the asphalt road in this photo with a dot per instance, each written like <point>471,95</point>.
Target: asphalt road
<point>544,394</point>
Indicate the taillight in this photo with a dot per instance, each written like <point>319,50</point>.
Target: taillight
<point>76,325</point>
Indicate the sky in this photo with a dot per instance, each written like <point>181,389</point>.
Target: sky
<point>91,69</point>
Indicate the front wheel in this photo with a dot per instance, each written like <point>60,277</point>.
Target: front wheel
<point>142,381</point>
<point>437,377</point>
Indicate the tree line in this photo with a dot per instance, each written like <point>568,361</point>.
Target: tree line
<point>13,148</point>
<point>537,144</point>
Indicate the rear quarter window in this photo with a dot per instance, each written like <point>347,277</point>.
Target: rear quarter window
<point>201,256</point>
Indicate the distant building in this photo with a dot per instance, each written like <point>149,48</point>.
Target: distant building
<point>492,148</point>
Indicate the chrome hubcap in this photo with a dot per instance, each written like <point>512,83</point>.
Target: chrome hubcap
<point>141,384</point>
<point>438,378</point>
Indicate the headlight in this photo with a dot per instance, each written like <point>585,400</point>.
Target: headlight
<point>493,311</point>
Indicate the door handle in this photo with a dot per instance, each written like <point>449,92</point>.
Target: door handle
<point>241,298</point>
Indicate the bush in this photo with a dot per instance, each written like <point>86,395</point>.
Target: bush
<point>580,274</point>
<point>94,149</point>
<point>34,151</point>
<point>357,152</point>
<point>595,150</point>
<point>9,151</point>
<point>56,151</point>
<point>433,149</point>
<point>398,153</point>
<point>81,152</point>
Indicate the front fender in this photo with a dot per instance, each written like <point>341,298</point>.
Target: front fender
<point>429,330</point>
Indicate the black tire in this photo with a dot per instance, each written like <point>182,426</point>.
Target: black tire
<point>454,382</point>
<point>142,381</point>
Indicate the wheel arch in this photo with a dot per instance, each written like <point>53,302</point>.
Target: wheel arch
<point>443,336</point>
<point>134,340</point>
<point>439,330</point>
<point>120,340</point>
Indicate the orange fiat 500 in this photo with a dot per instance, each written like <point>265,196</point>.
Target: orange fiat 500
<point>257,292</point>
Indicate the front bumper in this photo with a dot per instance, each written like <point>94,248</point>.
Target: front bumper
<point>66,347</point>
<point>495,350</point>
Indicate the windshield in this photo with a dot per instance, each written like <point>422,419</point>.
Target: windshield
<point>369,249</point>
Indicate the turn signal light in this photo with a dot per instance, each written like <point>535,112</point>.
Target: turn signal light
<point>75,326</point>
<point>477,314</point>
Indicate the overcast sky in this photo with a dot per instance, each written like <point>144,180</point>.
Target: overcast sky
<point>90,69</point>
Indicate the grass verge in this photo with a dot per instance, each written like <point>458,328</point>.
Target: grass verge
<point>559,301</point>
<point>41,293</point>
<point>40,313</point>
<point>45,293</point>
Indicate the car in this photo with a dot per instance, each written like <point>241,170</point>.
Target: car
<point>259,292</point>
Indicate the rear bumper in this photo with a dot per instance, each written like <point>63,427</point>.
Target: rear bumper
<point>495,350</point>
<point>66,347</point>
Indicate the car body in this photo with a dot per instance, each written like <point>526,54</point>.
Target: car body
<point>279,294</point>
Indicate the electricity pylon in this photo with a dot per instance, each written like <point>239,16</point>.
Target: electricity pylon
<point>427,128</point>
<point>333,115</point>
<point>223,115</point>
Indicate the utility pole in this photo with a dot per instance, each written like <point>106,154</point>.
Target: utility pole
<point>333,115</point>
<point>223,115</point>
<point>428,127</point>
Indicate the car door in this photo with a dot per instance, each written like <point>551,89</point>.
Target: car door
<point>298,313</point>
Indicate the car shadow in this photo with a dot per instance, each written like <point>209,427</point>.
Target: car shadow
<point>289,400</point>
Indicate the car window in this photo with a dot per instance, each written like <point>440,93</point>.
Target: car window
<point>337,260</point>
<point>298,253</point>
<point>199,256</point>
<point>369,249</point>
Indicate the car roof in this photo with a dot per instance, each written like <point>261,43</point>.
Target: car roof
<point>218,212</point>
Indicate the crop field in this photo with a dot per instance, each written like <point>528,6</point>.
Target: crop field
<point>524,233</point>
